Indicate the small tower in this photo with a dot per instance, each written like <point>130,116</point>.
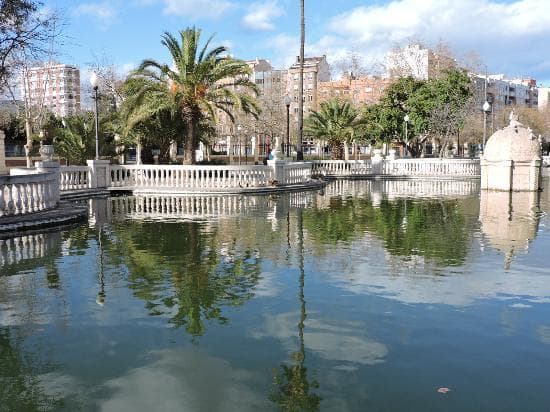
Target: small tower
<point>512,159</point>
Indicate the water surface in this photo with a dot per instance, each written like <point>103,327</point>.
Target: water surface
<point>364,296</point>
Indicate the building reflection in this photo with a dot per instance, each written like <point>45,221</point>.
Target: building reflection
<point>509,221</point>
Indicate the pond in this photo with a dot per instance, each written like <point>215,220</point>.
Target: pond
<point>367,295</point>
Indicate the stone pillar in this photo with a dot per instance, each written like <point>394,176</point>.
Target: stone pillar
<point>100,174</point>
<point>173,151</point>
<point>255,150</point>
<point>377,162</point>
<point>346,150</point>
<point>3,168</point>
<point>138,154</point>
<point>229,148</point>
<point>278,170</point>
<point>51,166</point>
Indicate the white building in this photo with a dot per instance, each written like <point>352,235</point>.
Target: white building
<point>412,60</point>
<point>544,97</point>
<point>54,87</point>
<point>502,92</point>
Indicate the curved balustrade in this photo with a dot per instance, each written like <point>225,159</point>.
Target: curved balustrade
<point>190,177</point>
<point>28,247</point>
<point>294,173</point>
<point>28,193</point>
<point>74,177</point>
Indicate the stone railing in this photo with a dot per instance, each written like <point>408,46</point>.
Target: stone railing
<point>399,167</point>
<point>342,167</point>
<point>22,194</point>
<point>74,177</point>
<point>433,167</point>
<point>189,177</point>
<point>294,173</point>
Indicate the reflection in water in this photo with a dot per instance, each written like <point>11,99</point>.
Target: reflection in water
<point>436,229</point>
<point>292,387</point>
<point>20,389</point>
<point>509,220</point>
<point>180,271</point>
<point>394,281</point>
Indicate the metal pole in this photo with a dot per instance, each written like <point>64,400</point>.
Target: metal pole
<point>288,130</point>
<point>96,125</point>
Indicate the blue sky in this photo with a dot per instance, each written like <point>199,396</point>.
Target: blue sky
<point>510,37</point>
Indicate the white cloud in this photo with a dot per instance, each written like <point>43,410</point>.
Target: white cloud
<point>104,12</point>
<point>197,8</point>
<point>510,37</point>
<point>261,14</point>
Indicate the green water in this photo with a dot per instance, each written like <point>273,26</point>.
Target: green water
<point>366,296</point>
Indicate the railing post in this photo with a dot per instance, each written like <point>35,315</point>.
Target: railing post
<point>100,176</point>
<point>278,170</point>
<point>50,166</point>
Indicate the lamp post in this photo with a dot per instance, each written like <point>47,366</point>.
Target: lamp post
<point>287,104</point>
<point>406,119</point>
<point>486,107</point>
<point>239,128</point>
<point>94,81</point>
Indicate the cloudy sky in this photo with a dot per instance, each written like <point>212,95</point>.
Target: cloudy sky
<point>509,36</point>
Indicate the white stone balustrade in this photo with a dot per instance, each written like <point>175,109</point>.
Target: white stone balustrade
<point>295,173</point>
<point>190,177</point>
<point>342,167</point>
<point>74,177</point>
<point>400,167</point>
<point>433,167</point>
<point>29,193</point>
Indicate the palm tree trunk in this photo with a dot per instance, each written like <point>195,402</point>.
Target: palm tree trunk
<point>337,151</point>
<point>190,143</point>
<point>299,153</point>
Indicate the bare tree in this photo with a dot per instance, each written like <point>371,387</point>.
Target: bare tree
<point>24,30</point>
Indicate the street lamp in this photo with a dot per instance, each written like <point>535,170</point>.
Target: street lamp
<point>94,81</point>
<point>486,108</point>
<point>287,101</point>
<point>406,119</point>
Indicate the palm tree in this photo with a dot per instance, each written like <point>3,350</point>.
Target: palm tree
<point>198,85</point>
<point>337,122</point>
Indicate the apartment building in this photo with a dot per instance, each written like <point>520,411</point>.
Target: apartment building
<point>55,87</point>
<point>502,92</point>
<point>316,71</point>
<point>362,90</point>
<point>272,85</point>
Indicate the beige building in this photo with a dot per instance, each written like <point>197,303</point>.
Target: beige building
<point>54,87</point>
<point>544,98</point>
<point>359,91</point>
<point>316,71</point>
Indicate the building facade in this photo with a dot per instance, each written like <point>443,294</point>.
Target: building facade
<point>359,91</point>
<point>53,87</point>
<point>503,93</point>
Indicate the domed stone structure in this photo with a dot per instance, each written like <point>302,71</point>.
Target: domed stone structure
<point>512,159</point>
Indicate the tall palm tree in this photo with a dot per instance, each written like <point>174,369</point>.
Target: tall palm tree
<point>337,122</point>
<point>199,84</point>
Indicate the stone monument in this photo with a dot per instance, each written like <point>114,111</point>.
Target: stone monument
<point>512,159</point>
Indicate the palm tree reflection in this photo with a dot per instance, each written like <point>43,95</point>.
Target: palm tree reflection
<point>292,389</point>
